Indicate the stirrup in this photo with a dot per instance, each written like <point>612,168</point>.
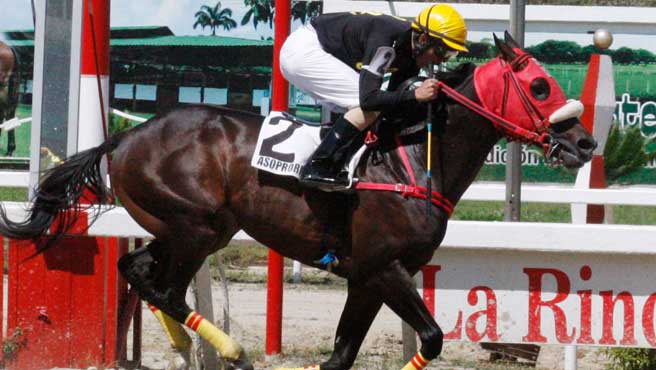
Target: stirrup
<point>339,183</point>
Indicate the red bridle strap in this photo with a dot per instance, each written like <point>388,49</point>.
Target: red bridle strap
<point>411,190</point>
<point>508,128</point>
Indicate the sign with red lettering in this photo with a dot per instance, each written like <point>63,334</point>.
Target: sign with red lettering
<point>542,298</point>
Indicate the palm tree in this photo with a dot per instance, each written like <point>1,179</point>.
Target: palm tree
<point>214,17</point>
<point>306,10</point>
<point>262,11</point>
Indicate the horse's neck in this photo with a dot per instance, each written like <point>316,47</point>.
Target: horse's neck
<point>457,154</point>
<point>460,152</point>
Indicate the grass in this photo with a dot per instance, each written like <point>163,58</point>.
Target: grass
<point>13,194</point>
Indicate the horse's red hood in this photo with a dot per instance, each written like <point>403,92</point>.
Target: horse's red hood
<point>489,81</point>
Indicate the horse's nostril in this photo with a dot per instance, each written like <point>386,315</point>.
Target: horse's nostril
<point>587,144</point>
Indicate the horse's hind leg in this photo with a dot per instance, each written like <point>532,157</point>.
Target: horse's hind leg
<point>180,341</point>
<point>162,280</point>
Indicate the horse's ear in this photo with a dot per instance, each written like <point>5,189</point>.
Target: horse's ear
<point>507,53</point>
<point>510,41</point>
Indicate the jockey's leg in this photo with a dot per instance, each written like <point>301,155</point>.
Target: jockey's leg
<point>328,160</point>
<point>359,312</point>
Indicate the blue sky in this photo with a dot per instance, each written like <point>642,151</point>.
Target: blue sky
<point>177,14</point>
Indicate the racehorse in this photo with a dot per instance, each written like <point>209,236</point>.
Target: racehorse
<point>9,88</point>
<point>185,176</point>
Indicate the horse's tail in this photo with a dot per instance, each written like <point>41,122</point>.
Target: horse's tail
<point>59,195</point>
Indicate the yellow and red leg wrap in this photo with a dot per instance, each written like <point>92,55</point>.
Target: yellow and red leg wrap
<point>227,346</point>
<point>418,362</point>
<point>177,335</point>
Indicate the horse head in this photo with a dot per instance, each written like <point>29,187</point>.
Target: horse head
<point>515,87</point>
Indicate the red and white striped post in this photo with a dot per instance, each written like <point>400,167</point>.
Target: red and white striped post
<point>598,98</point>
<point>279,102</point>
<point>66,299</point>
<point>94,79</point>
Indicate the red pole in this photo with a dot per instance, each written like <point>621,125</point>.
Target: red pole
<point>279,102</point>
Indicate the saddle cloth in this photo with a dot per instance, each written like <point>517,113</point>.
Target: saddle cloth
<point>286,143</point>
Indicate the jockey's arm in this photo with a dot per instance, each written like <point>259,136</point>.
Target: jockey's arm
<point>372,98</point>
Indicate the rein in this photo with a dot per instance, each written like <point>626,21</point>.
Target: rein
<point>412,190</point>
<point>509,129</point>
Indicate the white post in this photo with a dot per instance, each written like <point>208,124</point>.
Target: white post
<point>570,357</point>
<point>297,273</point>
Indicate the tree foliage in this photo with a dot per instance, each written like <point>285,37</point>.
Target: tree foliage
<point>625,153</point>
<point>214,17</point>
<point>554,51</point>
<point>631,358</point>
<point>263,11</point>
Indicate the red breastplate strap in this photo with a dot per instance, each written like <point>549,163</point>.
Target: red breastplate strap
<point>411,190</point>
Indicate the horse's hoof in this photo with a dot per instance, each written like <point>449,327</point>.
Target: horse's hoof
<point>238,365</point>
<point>179,360</point>
<point>241,363</point>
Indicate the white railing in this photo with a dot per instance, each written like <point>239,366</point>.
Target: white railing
<point>548,237</point>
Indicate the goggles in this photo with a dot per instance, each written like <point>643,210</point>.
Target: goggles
<point>442,51</point>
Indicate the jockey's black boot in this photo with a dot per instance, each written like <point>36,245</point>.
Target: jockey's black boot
<point>323,169</point>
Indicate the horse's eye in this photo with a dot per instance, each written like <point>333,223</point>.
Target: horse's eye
<point>540,89</point>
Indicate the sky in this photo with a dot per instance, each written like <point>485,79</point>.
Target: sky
<point>178,15</point>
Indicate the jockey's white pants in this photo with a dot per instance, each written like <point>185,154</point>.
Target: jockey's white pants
<point>305,64</point>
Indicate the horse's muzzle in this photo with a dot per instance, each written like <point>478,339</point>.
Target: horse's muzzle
<point>572,150</point>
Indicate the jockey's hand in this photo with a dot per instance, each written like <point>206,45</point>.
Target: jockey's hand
<point>427,91</point>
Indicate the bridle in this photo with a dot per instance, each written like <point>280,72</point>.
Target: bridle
<point>539,136</point>
<point>513,132</point>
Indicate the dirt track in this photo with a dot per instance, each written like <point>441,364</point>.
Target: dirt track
<point>311,315</point>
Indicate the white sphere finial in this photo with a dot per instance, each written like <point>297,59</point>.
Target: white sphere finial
<point>602,39</point>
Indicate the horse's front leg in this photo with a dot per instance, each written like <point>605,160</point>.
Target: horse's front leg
<point>359,312</point>
<point>396,288</point>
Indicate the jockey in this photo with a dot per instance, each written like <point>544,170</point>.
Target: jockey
<point>340,59</point>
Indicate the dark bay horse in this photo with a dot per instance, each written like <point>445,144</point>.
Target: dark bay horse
<point>185,176</point>
<point>9,89</point>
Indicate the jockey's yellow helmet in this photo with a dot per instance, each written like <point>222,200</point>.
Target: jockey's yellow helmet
<point>442,21</point>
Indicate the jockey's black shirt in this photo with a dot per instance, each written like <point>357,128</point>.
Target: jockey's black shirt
<point>354,38</point>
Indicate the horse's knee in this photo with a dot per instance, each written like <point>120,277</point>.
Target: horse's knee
<point>431,343</point>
